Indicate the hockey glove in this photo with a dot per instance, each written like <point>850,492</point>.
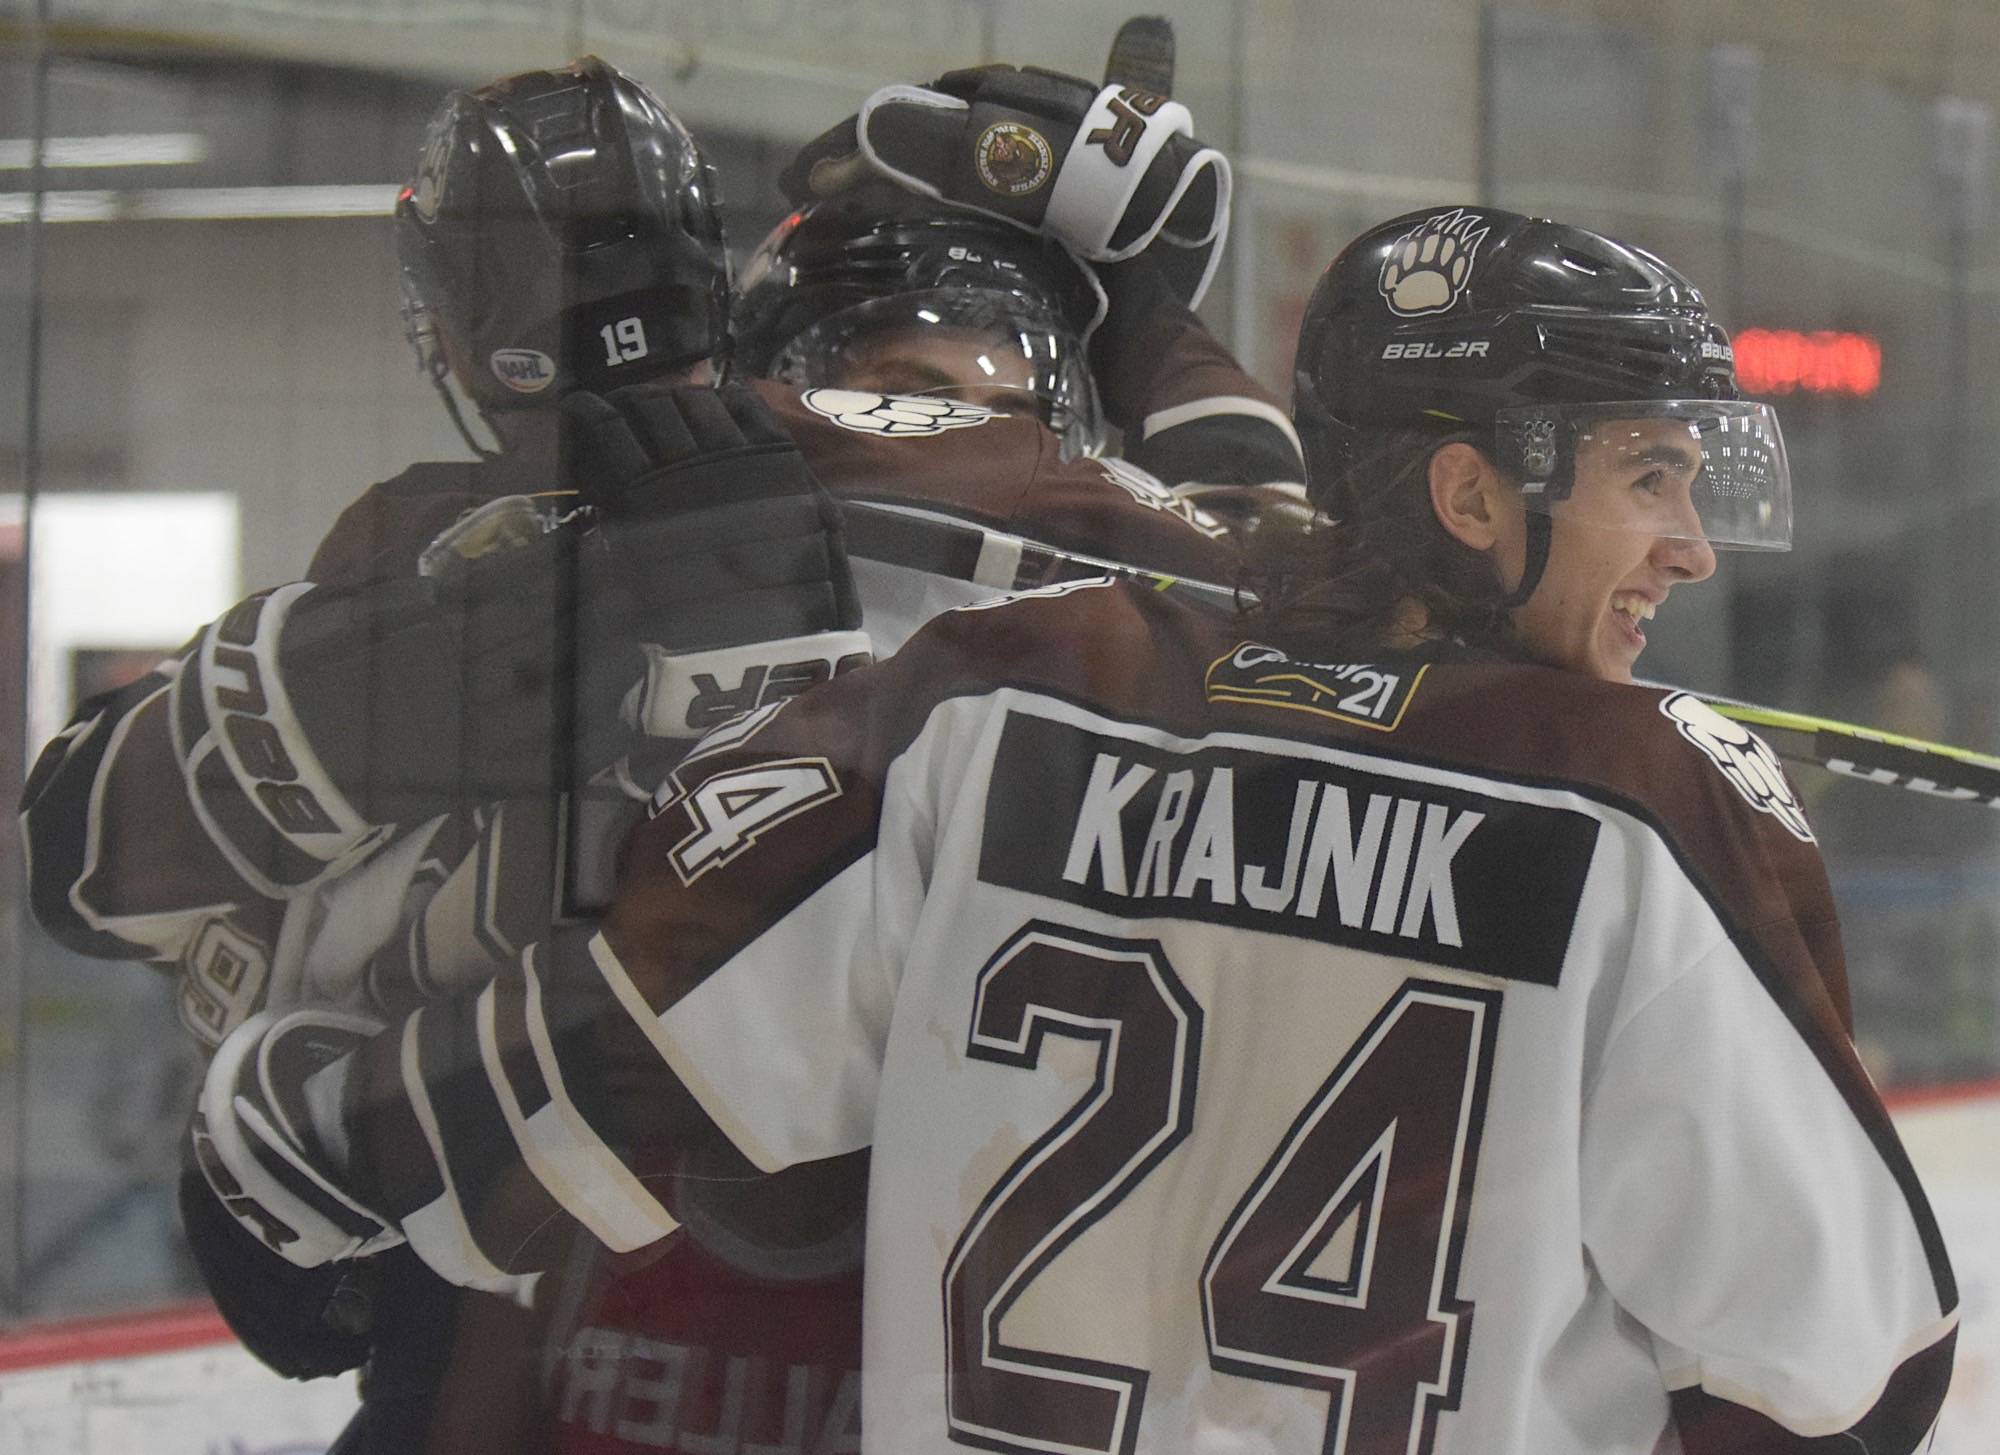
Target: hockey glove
<point>261,1130</point>
<point>306,1323</point>
<point>310,718</point>
<point>1110,171</point>
<point>709,518</point>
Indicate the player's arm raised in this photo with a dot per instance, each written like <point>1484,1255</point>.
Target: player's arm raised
<point>1114,174</point>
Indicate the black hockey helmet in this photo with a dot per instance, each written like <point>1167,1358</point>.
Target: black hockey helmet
<point>564,232</point>
<point>1517,332</point>
<point>879,259</point>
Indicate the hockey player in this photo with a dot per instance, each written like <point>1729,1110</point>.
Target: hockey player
<point>236,884</point>
<point>880,290</point>
<point>865,286</point>
<point>883,290</point>
<point>1375,1025</point>
<point>546,302</point>
<point>562,230</point>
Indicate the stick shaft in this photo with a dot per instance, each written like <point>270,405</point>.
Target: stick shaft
<point>966,552</point>
<point>1142,55</point>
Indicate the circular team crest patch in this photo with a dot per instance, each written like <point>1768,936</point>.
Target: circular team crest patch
<point>1012,159</point>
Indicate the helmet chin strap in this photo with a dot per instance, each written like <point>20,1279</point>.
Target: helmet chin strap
<point>458,419</point>
<point>434,362</point>
<point>1536,560</point>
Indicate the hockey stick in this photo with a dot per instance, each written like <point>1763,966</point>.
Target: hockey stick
<point>961,551</point>
<point>1142,55</point>
<point>965,552</point>
<point>1936,770</point>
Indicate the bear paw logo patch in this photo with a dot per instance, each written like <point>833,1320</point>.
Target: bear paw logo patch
<point>1745,759</point>
<point>1428,267</point>
<point>894,414</point>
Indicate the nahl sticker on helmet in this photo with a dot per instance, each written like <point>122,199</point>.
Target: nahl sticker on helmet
<point>1429,266</point>
<point>525,371</point>
<point>1365,695</point>
<point>1745,759</point>
<point>895,414</point>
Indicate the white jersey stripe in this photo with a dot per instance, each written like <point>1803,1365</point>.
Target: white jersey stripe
<point>563,1149</point>
<point>438,1231</point>
<point>1221,405</point>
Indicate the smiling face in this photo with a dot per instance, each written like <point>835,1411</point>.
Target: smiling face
<point>1627,535</point>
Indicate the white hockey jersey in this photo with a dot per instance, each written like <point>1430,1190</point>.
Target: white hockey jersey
<point>1256,1053</point>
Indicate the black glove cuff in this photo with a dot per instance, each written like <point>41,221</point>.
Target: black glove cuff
<point>752,571</point>
<point>746,473</point>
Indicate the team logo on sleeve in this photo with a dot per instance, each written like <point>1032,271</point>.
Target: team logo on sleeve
<point>1150,491</point>
<point>895,414</point>
<point>1365,695</point>
<point>1745,759</point>
<point>1428,268</point>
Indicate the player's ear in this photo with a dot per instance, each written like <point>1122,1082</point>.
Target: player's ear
<point>1467,495</point>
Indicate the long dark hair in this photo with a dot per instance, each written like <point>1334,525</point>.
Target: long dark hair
<point>1339,585</point>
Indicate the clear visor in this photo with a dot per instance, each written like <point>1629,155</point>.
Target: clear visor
<point>979,346</point>
<point>1688,469</point>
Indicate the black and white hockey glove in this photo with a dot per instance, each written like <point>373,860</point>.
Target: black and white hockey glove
<point>1111,171</point>
<point>709,516</point>
<point>310,719</point>
<point>266,1137</point>
<point>306,1323</point>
